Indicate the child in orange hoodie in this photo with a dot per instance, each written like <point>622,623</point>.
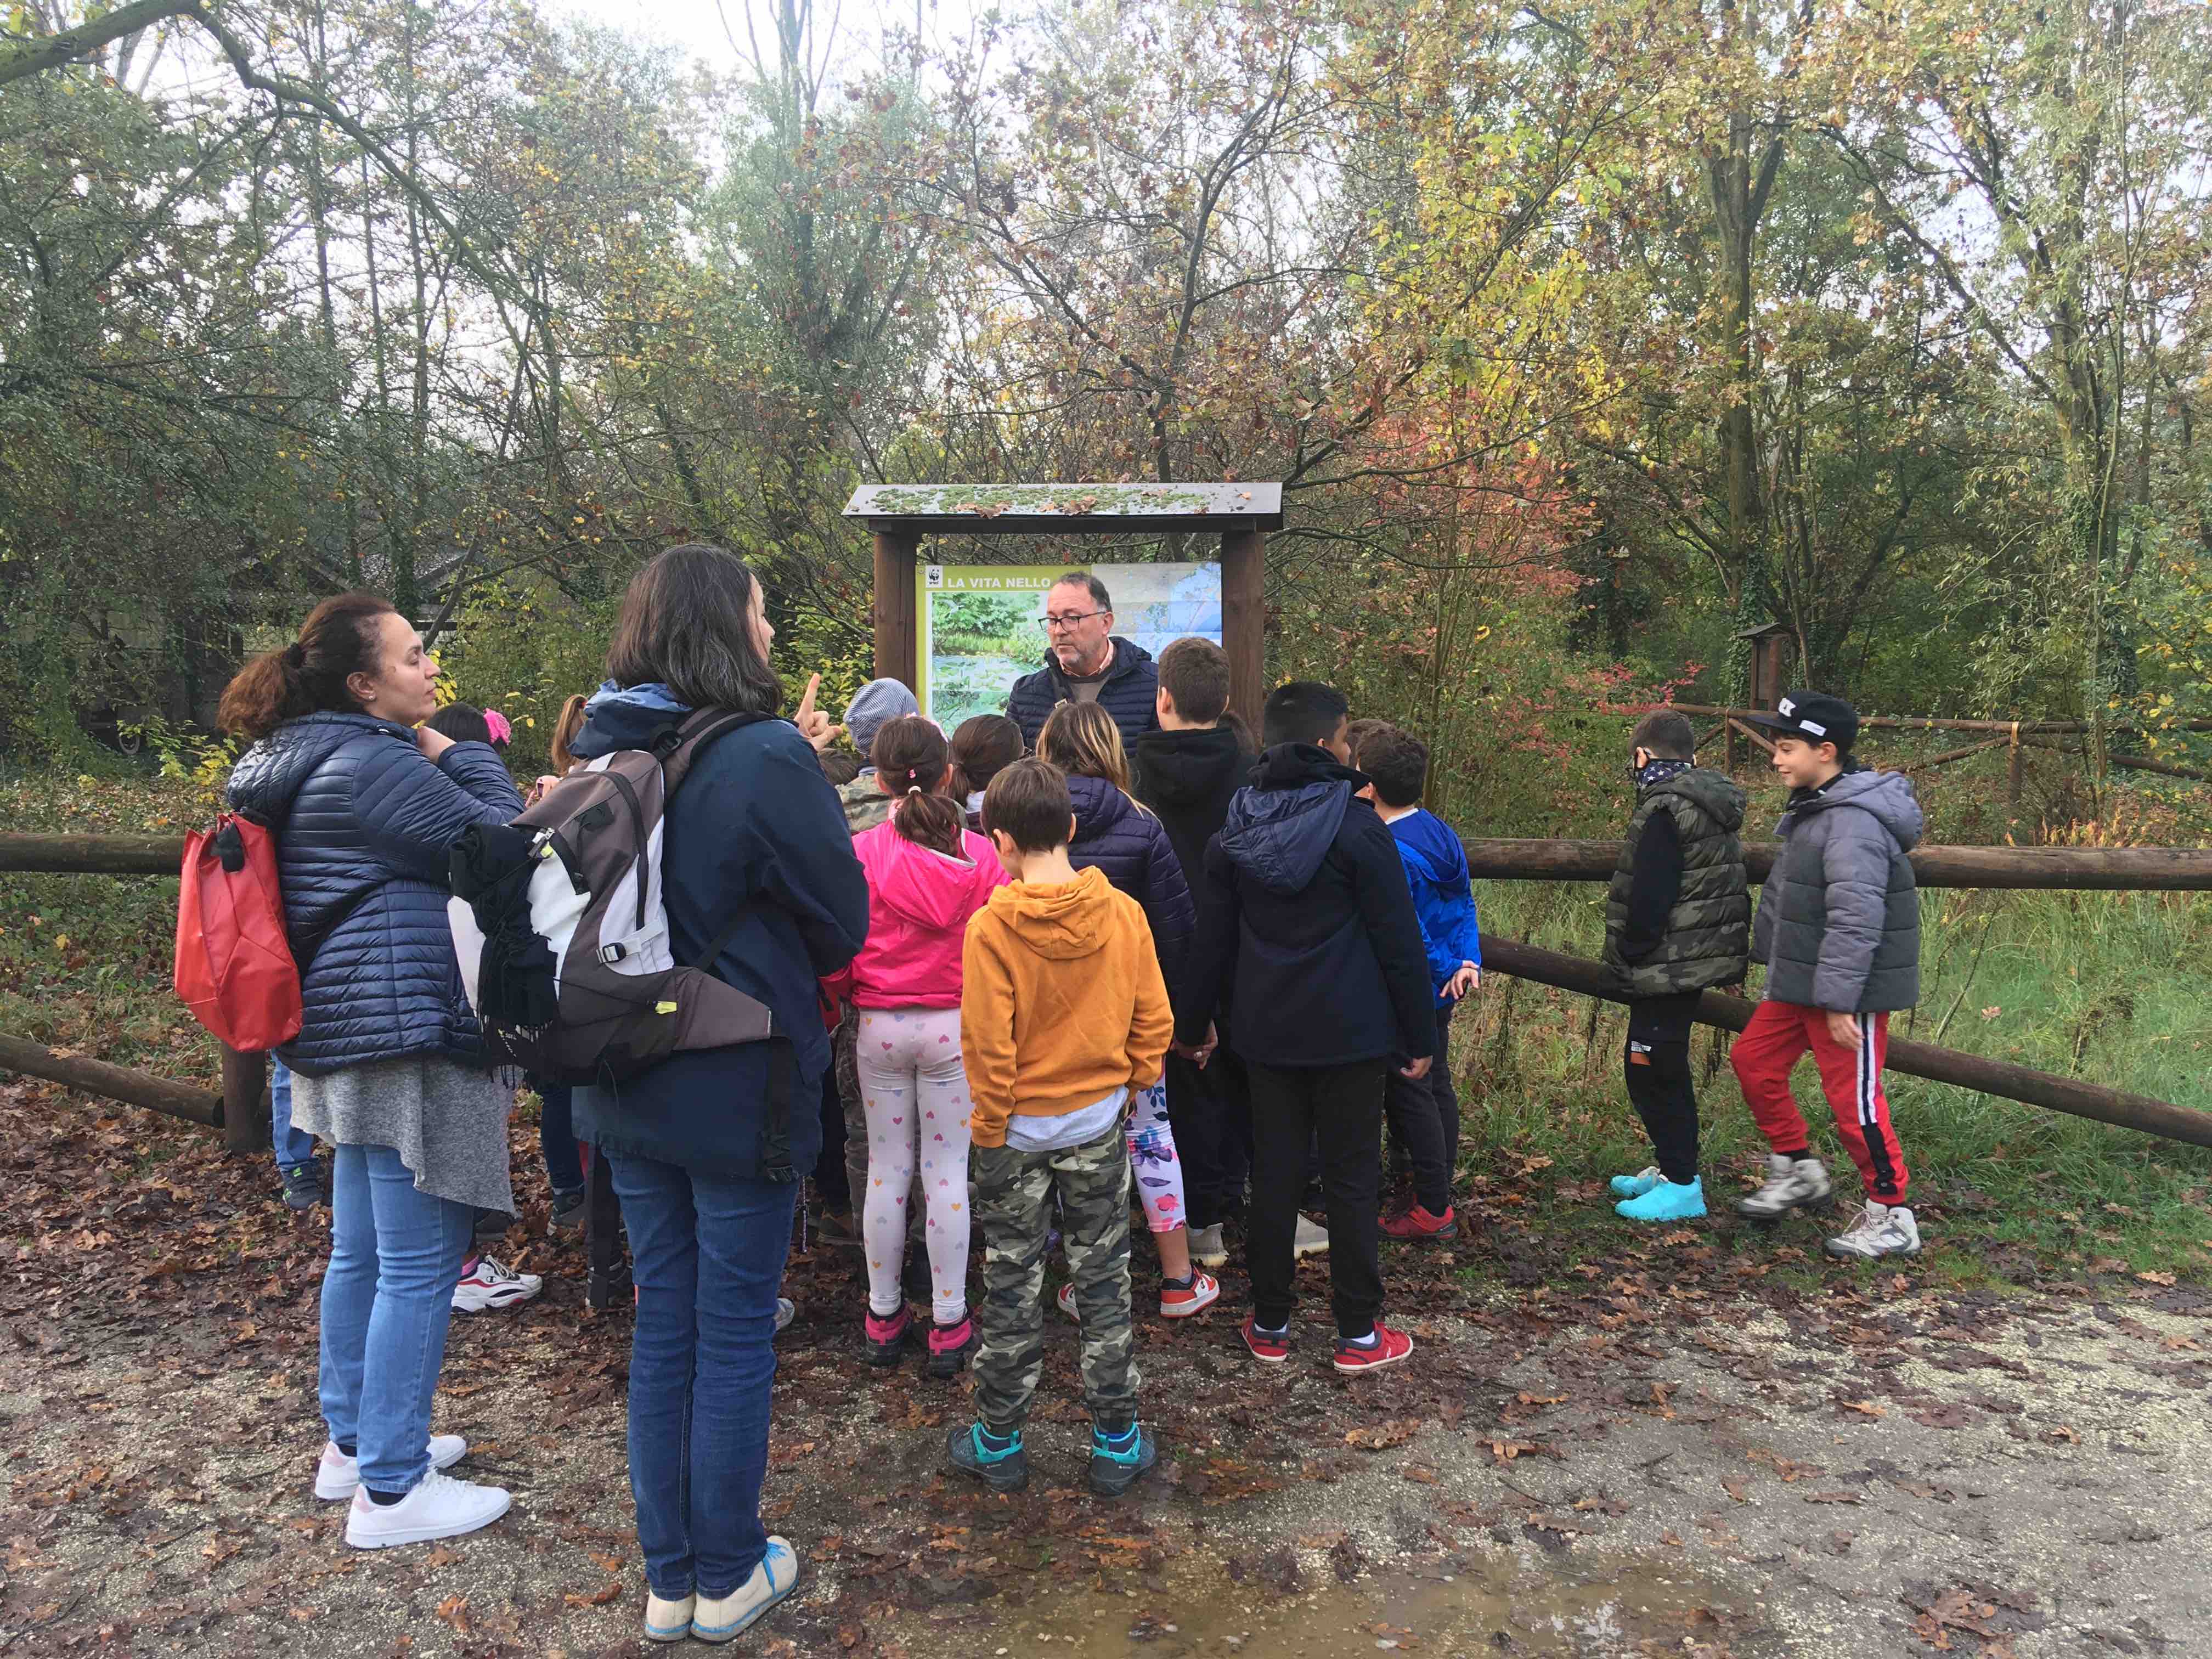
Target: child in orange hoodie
<point>1064,1016</point>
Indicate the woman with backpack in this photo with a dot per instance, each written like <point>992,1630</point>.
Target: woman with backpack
<point>705,1147</point>
<point>388,1066</point>
<point>1124,839</point>
<point>927,874</point>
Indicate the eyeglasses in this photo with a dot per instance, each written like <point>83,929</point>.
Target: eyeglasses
<point>1066,619</point>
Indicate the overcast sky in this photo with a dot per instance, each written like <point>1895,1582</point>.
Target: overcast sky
<point>695,26</point>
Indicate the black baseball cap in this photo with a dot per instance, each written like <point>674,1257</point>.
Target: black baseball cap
<point>1814,716</point>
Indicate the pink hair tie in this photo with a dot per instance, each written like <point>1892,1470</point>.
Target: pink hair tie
<point>501,730</point>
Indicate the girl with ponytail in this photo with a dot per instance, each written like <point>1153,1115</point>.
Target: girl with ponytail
<point>926,875</point>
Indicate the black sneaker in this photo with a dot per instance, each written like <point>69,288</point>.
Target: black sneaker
<point>303,1187</point>
<point>492,1225</point>
<point>569,1209</point>
<point>1119,1462</point>
<point>1007,1471</point>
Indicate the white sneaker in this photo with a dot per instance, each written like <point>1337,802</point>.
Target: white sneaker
<point>493,1285</point>
<point>439,1507</point>
<point>668,1621</point>
<point>337,1475</point>
<point>1311,1238</point>
<point>1066,1301</point>
<point>1880,1230</point>
<point>724,1619</point>
<point>1791,1184</point>
<point>1206,1249</point>
<point>786,1311</point>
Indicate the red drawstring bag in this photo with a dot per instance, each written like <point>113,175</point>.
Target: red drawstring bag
<point>234,968</point>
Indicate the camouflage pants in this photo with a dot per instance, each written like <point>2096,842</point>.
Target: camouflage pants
<point>1013,1204</point>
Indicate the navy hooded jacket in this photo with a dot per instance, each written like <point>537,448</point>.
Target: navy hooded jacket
<point>363,825</point>
<point>1444,898</point>
<point>1113,833</point>
<point>756,831</point>
<point>1127,694</point>
<point>1305,895</point>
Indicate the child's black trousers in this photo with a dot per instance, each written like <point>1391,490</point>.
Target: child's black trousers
<point>1657,1062</point>
<point>1342,1108</point>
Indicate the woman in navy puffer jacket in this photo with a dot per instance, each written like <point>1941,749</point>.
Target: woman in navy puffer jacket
<point>1123,839</point>
<point>388,1066</point>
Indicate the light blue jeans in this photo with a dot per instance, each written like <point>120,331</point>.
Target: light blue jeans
<point>706,1254</point>
<point>396,1255</point>
<point>293,1147</point>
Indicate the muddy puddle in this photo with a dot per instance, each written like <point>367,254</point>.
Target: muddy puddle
<point>1506,1604</point>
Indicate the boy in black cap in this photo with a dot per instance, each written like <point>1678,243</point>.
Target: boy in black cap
<point>1839,927</point>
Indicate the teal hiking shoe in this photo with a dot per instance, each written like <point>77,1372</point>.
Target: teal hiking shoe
<point>1637,1185</point>
<point>1666,1202</point>
<point>1119,1458</point>
<point>1001,1465</point>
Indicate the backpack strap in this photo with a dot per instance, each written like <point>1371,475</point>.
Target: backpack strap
<point>677,744</point>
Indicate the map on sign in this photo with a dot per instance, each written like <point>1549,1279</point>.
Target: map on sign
<point>981,626</point>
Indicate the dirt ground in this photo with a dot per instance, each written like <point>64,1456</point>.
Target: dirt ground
<point>1709,1443</point>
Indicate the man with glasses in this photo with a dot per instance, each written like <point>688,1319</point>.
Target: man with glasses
<point>1085,661</point>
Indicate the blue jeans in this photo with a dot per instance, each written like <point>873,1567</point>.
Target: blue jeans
<point>387,1297</point>
<point>293,1148</point>
<point>706,1254</point>
<point>556,1138</point>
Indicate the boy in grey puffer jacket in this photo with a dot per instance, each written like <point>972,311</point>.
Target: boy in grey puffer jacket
<point>1838,926</point>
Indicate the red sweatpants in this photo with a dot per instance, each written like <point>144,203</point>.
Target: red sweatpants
<point>1774,1042</point>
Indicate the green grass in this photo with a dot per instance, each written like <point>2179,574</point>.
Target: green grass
<point>2106,987</point>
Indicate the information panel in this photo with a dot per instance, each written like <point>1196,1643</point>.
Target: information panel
<point>980,627</point>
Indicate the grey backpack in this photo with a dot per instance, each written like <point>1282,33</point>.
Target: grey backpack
<point>560,925</point>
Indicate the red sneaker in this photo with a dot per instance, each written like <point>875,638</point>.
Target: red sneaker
<point>1181,1302</point>
<point>1390,1347</point>
<point>1418,1223</point>
<point>1267,1350</point>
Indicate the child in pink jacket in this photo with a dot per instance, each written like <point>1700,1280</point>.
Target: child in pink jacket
<point>926,875</point>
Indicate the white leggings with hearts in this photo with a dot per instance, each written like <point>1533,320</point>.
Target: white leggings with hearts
<point>914,1092</point>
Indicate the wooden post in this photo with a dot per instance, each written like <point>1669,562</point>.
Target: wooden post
<point>897,634</point>
<point>2012,781</point>
<point>244,1102</point>
<point>1727,746</point>
<point>1245,621</point>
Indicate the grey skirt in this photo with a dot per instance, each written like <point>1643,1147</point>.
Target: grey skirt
<point>447,1121</point>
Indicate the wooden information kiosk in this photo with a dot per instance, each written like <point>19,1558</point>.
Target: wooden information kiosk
<point>900,515</point>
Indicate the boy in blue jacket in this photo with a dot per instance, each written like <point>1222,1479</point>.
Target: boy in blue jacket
<point>1423,1112</point>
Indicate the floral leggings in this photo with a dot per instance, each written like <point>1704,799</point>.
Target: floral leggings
<point>1152,1161</point>
<point>914,1092</point>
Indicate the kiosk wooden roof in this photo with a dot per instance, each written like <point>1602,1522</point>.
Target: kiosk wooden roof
<point>900,515</point>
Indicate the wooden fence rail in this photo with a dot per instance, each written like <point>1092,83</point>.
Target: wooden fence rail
<point>241,1110</point>
<point>1924,1060</point>
<point>2154,869</point>
<point>2107,869</point>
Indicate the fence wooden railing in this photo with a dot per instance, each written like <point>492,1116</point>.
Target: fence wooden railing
<point>241,1110</point>
<point>2012,735</point>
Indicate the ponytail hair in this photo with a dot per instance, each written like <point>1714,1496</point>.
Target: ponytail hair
<point>912,762</point>
<point>569,722</point>
<point>983,745</point>
<point>1082,741</point>
<point>309,675</point>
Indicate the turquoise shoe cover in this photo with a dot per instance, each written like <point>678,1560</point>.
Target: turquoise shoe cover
<point>1666,1202</point>
<point>1637,1185</point>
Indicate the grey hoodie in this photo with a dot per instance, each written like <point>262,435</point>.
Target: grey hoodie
<point>1838,923</point>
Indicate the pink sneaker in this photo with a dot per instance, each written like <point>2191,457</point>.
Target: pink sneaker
<point>950,1345</point>
<point>887,1338</point>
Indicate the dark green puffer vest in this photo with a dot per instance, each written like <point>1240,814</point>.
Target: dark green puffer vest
<point>1707,941</point>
